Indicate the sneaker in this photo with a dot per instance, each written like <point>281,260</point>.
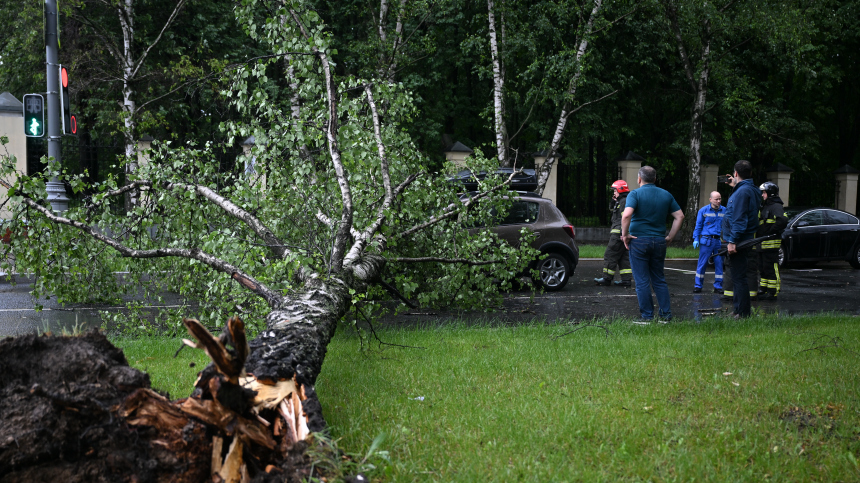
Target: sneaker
<point>718,290</point>
<point>641,321</point>
<point>603,281</point>
<point>697,290</point>
<point>622,283</point>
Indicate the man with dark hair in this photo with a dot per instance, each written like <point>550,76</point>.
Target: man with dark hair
<point>740,224</point>
<point>643,229</point>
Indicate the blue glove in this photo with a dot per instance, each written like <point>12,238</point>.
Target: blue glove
<point>695,244</point>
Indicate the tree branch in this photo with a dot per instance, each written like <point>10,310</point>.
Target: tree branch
<point>462,261</point>
<point>170,20</point>
<point>453,208</point>
<point>345,227</point>
<point>271,297</point>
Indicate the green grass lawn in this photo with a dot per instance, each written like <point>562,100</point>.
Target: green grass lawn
<point>596,251</point>
<point>764,399</point>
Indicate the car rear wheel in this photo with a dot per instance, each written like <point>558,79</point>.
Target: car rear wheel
<point>554,272</point>
<point>855,260</point>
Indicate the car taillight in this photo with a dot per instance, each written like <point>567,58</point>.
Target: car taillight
<point>570,231</point>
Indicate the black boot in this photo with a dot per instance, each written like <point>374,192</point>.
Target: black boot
<point>603,281</point>
<point>622,283</point>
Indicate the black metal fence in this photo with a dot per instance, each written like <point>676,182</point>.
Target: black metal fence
<point>584,191</point>
<point>813,189</point>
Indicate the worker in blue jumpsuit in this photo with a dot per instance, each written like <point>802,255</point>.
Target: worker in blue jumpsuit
<point>706,237</point>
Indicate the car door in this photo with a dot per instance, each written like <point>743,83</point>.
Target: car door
<point>842,231</point>
<point>805,239</point>
<point>522,214</point>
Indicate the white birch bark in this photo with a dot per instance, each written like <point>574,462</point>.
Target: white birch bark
<point>699,86</point>
<point>129,65</point>
<point>566,110</point>
<point>498,90</point>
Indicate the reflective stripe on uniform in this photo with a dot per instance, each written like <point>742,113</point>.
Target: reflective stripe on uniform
<point>776,270</point>
<point>728,293</point>
<point>616,230</point>
<point>626,271</point>
<point>718,277</point>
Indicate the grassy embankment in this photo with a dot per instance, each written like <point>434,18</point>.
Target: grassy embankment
<point>596,251</point>
<point>768,398</point>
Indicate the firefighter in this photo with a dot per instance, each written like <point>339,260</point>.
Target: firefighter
<point>706,237</point>
<point>772,220</point>
<point>616,259</point>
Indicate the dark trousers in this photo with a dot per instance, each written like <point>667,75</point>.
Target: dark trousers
<point>616,259</point>
<point>751,272</point>
<point>768,262</point>
<point>739,264</point>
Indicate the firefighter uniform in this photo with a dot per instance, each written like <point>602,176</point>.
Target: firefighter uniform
<point>771,221</point>
<point>707,232</point>
<point>616,259</point>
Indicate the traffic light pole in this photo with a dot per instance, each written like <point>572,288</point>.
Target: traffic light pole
<point>56,189</point>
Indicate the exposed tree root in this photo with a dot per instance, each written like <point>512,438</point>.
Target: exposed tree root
<point>71,409</point>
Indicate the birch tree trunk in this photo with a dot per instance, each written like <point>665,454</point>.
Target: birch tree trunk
<point>498,91</point>
<point>125,12</point>
<point>558,134</point>
<point>699,86</point>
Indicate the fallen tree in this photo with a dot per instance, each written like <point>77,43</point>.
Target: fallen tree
<point>333,209</point>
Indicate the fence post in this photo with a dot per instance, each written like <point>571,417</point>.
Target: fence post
<point>846,198</point>
<point>708,183</point>
<point>144,147</point>
<point>12,126</point>
<point>550,191</point>
<point>781,175</point>
<point>628,165</point>
<point>457,154</point>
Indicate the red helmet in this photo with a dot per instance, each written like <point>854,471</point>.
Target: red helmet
<point>621,186</point>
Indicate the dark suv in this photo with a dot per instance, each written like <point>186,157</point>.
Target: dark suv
<point>555,238</point>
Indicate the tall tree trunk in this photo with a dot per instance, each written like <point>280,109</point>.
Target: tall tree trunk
<point>699,86</point>
<point>566,111</point>
<point>498,91</point>
<point>125,12</point>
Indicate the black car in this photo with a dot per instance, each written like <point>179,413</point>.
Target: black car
<point>820,234</point>
<point>526,180</point>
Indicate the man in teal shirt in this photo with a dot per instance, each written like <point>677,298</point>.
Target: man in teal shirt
<point>643,229</point>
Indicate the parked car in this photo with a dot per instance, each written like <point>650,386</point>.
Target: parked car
<point>523,181</point>
<point>556,238</point>
<point>820,234</point>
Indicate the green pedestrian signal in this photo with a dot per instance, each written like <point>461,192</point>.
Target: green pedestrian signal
<point>34,115</point>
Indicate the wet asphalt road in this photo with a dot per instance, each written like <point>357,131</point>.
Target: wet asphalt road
<point>825,287</point>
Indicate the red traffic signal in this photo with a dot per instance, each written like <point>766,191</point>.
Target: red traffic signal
<point>70,124</point>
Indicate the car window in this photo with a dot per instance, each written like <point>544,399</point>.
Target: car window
<point>810,218</point>
<point>839,218</point>
<point>522,212</point>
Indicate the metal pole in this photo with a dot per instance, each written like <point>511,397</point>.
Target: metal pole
<point>56,189</point>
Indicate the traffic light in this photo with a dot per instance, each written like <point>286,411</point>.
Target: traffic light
<point>34,115</point>
<point>70,123</point>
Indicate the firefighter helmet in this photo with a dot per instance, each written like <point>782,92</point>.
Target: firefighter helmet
<point>770,188</point>
<point>621,186</point>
